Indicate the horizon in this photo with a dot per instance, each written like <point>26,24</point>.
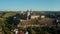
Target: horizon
<point>34,5</point>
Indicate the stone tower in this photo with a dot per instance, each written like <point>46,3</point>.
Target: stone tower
<point>28,14</point>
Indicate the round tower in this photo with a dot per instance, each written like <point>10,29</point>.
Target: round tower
<point>28,14</point>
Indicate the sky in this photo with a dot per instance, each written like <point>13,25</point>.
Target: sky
<point>35,5</point>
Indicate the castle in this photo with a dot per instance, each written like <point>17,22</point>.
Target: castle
<point>26,15</point>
